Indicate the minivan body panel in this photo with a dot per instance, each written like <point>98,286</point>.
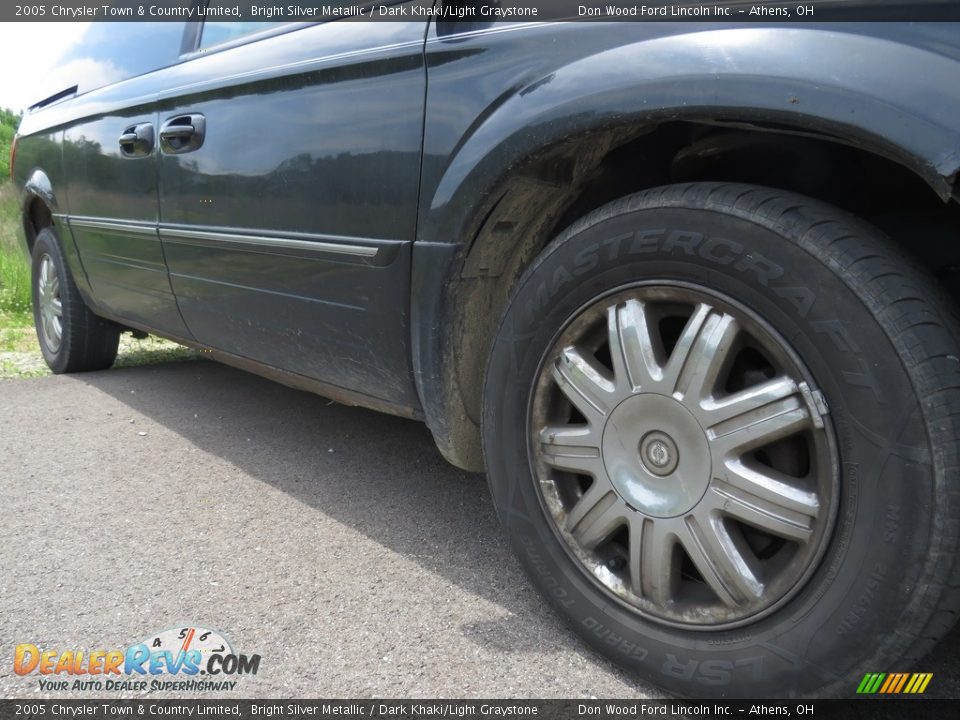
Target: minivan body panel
<point>112,207</point>
<point>287,231</point>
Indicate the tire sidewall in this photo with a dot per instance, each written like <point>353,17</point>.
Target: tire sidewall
<point>863,583</point>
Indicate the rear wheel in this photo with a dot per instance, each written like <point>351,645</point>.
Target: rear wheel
<point>720,424</point>
<point>72,339</point>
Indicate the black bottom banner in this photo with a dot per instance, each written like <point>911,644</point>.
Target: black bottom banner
<point>552,709</point>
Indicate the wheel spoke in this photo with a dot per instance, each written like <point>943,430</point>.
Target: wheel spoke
<point>762,513</point>
<point>769,487</point>
<point>654,562</point>
<point>723,561</point>
<point>584,383</point>
<point>574,448</point>
<point>749,400</point>
<point>49,332</point>
<point>596,515</point>
<point>755,417</point>
<point>56,306</point>
<point>632,349</point>
<point>595,494</point>
<point>700,354</point>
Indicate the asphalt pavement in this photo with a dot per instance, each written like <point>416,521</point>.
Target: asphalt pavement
<point>334,542</point>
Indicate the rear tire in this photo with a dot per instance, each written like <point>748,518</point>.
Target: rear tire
<point>838,327</point>
<point>72,339</point>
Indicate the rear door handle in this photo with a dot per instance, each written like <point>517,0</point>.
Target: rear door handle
<point>137,140</point>
<point>182,134</point>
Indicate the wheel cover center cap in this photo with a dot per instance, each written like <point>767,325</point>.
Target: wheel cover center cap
<point>659,453</point>
<point>656,455</point>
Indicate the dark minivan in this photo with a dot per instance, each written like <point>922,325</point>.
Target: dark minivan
<point>686,292</point>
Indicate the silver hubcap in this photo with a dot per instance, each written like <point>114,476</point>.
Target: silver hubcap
<point>50,305</point>
<point>682,458</point>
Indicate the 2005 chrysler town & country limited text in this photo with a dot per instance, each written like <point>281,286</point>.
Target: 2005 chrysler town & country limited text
<point>686,292</point>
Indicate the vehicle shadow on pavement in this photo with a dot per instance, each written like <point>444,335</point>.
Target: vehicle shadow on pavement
<point>383,477</point>
<point>377,474</point>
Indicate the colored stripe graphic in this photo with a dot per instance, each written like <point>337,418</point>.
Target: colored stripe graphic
<point>911,684</point>
<point>894,683</point>
<point>891,680</point>
<point>903,681</point>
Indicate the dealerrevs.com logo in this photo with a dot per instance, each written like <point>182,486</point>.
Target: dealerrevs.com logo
<point>199,659</point>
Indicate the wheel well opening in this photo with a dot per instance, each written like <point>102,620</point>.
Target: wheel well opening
<point>36,218</point>
<point>563,184</point>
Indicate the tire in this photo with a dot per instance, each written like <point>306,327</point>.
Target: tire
<point>850,353</point>
<point>72,339</point>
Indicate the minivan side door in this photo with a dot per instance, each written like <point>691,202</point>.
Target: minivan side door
<point>289,169</point>
<point>110,167</point>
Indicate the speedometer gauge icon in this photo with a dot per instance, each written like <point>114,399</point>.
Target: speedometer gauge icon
<point>181,640</point>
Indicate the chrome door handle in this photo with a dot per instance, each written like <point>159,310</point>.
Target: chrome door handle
<point>137,140</point>
<point>182,134</point>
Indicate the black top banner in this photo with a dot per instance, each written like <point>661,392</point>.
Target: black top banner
<point>483,10</point>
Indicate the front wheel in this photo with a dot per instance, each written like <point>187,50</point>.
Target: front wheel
<point>720,426</point>
<point>72,338</point>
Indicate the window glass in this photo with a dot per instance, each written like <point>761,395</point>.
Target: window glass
<point>108,52</point>
<point>217,33</point>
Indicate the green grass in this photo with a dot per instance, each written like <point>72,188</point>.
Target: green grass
<point>9,121</point>
<point>14,266</point>
<point>19,352</point>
